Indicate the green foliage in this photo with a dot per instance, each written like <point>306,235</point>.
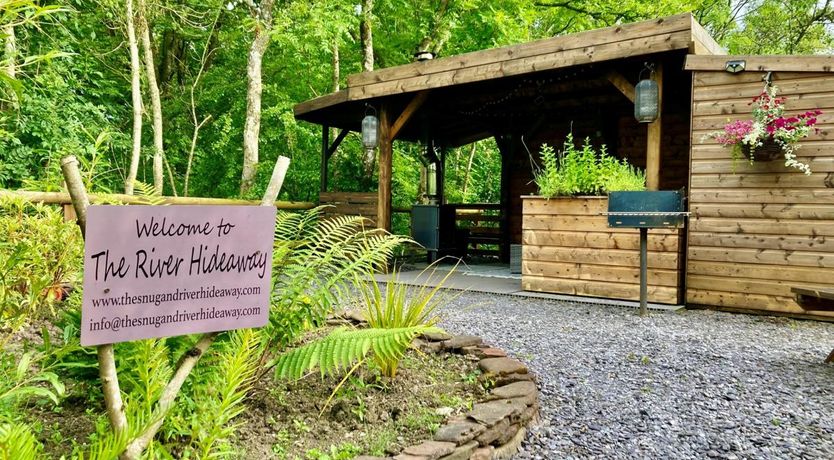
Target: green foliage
<point>400,306</point>
<point>620,176</point>
<point>17,442</point>
<point>584,171</point>
<point>29,377</point>
<point>221,398</point>
<point>314,259</point>
<point>39,252</point>
<point>342,348</point>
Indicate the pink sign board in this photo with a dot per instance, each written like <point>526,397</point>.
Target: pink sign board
<point>160,271</point>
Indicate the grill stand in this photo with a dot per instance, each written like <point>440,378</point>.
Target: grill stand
<point>644,210</point>
<point>644,271</point>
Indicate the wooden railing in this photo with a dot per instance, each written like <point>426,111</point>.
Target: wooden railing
<point>483,221</point>
<point>61,198</point>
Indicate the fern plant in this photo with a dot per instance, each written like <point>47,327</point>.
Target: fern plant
<point>399,305</point>
<point>17,442</point>
<point>343,347</point>
<point>147,193</point>
<point>222,399</point>
<point>315,261</point>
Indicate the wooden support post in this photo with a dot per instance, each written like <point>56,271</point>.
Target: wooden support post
<point>505,147</point>
<point>386,153</point>
<point>325,148</point>
<point>654,137</point>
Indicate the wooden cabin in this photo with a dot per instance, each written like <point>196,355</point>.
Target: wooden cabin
<point>756,231</point>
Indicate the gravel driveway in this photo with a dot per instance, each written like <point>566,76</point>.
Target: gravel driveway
<point>693,384</point>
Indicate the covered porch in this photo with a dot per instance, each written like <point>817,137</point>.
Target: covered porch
<point>524,96</point>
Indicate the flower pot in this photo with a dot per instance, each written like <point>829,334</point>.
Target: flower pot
<point>768,151</point>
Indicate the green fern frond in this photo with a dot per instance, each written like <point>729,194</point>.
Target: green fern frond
<point>146,370</point>
<point>237,364</point>
<point>18,442</point>
<point>315,260</point>
<point>147,193</point>
<point>111,444</point>
<point>343,347</point>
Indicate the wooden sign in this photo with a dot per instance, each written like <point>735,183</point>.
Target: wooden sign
<point>160,271</point>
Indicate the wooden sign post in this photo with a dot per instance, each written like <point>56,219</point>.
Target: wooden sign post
<point>106,358</point>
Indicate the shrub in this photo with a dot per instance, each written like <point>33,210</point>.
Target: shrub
<point>584,171</point>
<point>39,253</point>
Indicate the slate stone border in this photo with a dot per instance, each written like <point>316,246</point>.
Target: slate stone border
<point>496,426</point>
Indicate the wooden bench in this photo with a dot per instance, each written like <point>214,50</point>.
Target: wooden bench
<point>816,300</point>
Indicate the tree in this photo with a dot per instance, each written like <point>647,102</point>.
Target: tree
<point>136,92</point>
<point>262,14</point>
<point>366,33</point>
<point>156,104</point>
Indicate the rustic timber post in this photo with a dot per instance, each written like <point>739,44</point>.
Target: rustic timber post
<point>654,136</point>
<point>106,358</point>
<point>386,153</point>
<point>505,148</point>
<point>325,147</point>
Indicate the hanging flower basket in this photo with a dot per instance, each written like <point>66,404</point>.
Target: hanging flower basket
<point>769,150</point>
<point>770,134</point>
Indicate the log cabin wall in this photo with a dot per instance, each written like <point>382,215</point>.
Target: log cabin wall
<point>757,230</point>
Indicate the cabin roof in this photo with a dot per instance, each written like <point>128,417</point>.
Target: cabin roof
<point>464,82</point>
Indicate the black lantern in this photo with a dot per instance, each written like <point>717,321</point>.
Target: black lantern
<point>370,130</point>
<point>646,99</point>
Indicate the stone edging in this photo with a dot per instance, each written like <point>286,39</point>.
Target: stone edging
<point>496,426</point>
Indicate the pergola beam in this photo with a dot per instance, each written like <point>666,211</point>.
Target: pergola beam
<point>408,112</point>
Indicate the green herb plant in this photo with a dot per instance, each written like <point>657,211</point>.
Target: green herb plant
<point>584,171</point>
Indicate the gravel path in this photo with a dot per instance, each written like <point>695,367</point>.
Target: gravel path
<point>694,384</point>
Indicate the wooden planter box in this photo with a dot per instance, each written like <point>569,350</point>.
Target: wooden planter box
<point>569,249</point>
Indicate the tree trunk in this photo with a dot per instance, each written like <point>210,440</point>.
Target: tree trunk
<point>11,67</point>
<point>469,168</point>
<point>10,51</point>
<point>367,36</point>
<point>156,105</point>
<point>167,54</point>
<point>204,59</point>
<point>252,126</point>
<point>335,61</point>
<point>438,30</point>
<point>136,92</point>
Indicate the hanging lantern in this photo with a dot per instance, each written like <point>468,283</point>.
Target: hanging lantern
<point>431,180</point>
<point>370,131</point>
<point>646,98</point>
<point>645,101</point>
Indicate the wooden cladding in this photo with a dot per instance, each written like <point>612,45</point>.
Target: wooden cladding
<point>758,230</point>
<point>569,249</point>
<point>350,204</point>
